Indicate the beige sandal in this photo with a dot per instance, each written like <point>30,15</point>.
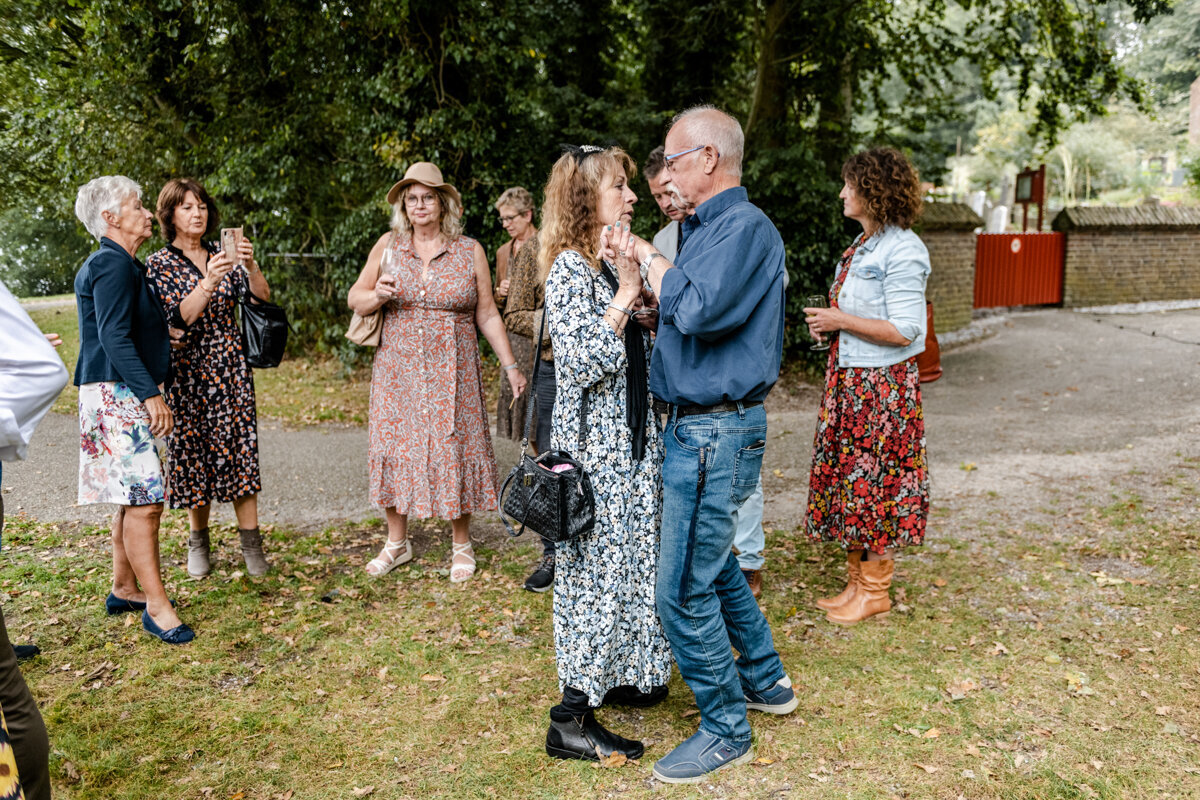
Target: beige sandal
<point>397,553</point>
<point>461,571</point>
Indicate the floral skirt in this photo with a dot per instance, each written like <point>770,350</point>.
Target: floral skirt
<point>869,485</point>
<point>118,459</point>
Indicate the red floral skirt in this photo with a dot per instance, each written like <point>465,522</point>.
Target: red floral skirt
<point>869,485</point>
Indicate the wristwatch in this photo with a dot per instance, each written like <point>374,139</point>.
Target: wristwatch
<point>645,265</point>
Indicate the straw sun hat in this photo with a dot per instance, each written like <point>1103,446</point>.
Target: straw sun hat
<point>426,174</point>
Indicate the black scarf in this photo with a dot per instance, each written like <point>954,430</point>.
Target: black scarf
<point>637,392</point>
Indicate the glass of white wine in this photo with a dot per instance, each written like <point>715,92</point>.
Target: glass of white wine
<point>818,301</point>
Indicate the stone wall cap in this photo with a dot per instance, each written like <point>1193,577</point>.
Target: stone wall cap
<point>1135,217</point>
<point>948,217</point>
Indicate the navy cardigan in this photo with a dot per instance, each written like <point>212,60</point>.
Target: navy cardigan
<point>122,327</point>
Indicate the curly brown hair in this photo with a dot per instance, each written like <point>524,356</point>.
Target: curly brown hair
<point>887,184</point>
<point>172,196</point>
<point>571,211</point>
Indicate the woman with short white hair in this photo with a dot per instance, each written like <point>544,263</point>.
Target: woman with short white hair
<point>124,361</point>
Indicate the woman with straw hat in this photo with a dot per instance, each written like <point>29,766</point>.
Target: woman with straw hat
<point>430,449</point>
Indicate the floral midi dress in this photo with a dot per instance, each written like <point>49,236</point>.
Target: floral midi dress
<point>606,628</point>
<point>869,484</point>
<point>430,450</point>
<point>212,454</point>
<point>118,458</point>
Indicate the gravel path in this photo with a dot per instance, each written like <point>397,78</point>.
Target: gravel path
<point>1051,394</point>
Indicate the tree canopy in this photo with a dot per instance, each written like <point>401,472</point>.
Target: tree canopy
<point>297,115</point>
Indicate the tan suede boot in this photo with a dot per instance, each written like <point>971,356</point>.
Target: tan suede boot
<point>252,551</point>
<point>853,558</point>
<point>872,595</point>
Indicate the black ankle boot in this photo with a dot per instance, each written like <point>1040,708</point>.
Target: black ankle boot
<point>634,697</point>
<point>585,738</point>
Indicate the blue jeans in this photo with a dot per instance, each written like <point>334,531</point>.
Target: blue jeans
<point>750,540</point>
<point>711,466</point>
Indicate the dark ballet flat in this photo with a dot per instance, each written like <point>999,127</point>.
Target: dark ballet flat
<point>180,634</point>
<point>118,605</point>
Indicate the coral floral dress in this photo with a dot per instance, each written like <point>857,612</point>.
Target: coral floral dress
<point>869,485</point>
<point>430,449</point>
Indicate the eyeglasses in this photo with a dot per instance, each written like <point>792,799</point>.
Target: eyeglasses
<point>510,218</point>
<point>669,161</point>
<point>420,200</point>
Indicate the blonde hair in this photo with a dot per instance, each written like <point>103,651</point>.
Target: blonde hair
<point>451,219</point>
<point>518,197</point>
<point>571,210</point>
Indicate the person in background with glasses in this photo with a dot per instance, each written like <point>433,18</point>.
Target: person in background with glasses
<point>515,208</point>
<point>716,357</point>
<point>869,484</point>
<point>430,450</point>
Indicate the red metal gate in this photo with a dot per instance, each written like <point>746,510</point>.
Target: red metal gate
<point>1018,269</point>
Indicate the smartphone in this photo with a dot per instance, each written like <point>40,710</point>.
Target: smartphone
<point>230,239</point>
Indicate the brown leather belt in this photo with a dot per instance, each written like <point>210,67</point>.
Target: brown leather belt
<point>719,408</point>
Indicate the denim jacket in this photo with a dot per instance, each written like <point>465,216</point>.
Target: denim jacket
<point>886,281</point>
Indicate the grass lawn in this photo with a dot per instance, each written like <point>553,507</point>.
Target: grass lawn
<point>1049,651</point>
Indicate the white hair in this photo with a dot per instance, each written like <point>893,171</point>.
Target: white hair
<point>95,197</point>
<point>707,124</point>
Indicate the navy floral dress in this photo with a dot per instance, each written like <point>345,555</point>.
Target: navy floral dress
<point>212,454</point>
<point>869,484</point>
<point>606,629</point>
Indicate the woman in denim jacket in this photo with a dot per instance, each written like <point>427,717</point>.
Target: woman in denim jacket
<point>869,485</point>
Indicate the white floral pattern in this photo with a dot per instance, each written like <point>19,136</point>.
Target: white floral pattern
<point>119,461</point>
<point>606,628</point>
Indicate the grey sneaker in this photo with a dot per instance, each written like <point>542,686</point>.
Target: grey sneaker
<point>698,756</point>
<point>779,699</point>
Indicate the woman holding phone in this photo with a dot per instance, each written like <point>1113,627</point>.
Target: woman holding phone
<point>213,453</point>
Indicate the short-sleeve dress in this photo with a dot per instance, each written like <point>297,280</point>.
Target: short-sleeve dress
<point>430,450</point>
<point>606,628</point>
<point>212,453</point>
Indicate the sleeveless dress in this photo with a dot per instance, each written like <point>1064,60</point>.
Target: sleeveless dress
<point>430,450</point>
<point>869,484</point>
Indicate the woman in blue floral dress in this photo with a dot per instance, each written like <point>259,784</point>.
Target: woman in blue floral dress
<point>610,647</point>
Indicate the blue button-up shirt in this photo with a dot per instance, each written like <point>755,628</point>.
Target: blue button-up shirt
<point>720,332</point>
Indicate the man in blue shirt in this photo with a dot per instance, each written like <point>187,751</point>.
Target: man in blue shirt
<point>716,356</point>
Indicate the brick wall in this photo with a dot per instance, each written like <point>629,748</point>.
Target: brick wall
<point>948,230</point>
<point>1130,255</point>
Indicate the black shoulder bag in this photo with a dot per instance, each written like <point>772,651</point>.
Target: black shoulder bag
<point>264,330</point>
<point>550,494</point>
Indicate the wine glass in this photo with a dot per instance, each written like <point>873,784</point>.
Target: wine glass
<point>818,301</point>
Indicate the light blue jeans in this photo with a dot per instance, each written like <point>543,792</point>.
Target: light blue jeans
<point>711,466</point>
<point>749,540</point>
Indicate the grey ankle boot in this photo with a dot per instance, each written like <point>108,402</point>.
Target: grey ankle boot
<point>252,551</point>
<point>198,550</point>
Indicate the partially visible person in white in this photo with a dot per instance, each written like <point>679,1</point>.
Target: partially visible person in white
<point>31,376</point>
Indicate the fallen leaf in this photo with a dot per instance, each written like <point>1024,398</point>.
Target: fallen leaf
<point>764,761</point>
<point>998,649</point>
<point>691,713</point>
<point>363,792</point>
<point>614,759</point>
<point>968,773</point>
<point>926,767</point>
<point>932,733</point>
<point>1171,728</point>
<point>1019,759</point>
<point>1053,658</point>
<point>968,466</point>
<point>958,690</point>
<point>1162,711</point>
<point>939,582</point>
<point>818,778</point>
<point>383,671</point>
<point>430,678</point>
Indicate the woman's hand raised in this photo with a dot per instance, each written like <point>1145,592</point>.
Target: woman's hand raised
<point>616,246</point>
<point>219,266</point>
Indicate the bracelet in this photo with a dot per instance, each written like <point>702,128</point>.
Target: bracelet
<point>626,311</point>
<point>200,286</point>
<point>512,366</point>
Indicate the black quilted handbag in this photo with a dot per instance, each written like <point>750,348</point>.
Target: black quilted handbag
<point>550,494</point>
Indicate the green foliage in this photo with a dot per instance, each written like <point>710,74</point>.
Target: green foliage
<point>299,115</point>
<point>40,251</point>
